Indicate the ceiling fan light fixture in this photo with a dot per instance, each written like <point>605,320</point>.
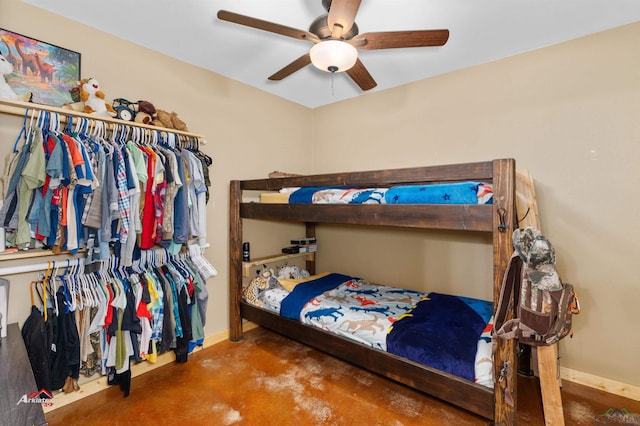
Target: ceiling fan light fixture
<point>333,56</point>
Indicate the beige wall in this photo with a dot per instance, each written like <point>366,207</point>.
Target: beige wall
<point>568,113</point>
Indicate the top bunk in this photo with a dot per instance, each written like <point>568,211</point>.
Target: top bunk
<point>499,174</point>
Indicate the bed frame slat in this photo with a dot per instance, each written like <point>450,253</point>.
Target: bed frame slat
<point>481,171</point>
<point>465,217</point>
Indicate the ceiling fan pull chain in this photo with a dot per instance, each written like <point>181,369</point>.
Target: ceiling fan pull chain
<point>333,76</point>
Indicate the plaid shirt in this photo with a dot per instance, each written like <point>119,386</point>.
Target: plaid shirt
<point>124,206</point>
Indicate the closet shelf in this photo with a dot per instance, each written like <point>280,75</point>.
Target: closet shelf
<point>18,108</point>
<point>246,266</point>
<point>26,254</point>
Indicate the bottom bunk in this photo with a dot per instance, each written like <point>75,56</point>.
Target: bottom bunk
<point>476,398</point>
<point>437,343</point>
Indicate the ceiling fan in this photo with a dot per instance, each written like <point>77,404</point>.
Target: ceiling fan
<point>336,40</point>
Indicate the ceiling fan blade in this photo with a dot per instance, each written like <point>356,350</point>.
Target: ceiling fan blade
<point>294,66</point>
<point>272,27</point>
<point>399,39</point>
<point>361,76</point>
<point>342,14</point>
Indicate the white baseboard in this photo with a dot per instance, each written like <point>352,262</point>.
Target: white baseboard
<point>91,386</point>
<point>601,383</point>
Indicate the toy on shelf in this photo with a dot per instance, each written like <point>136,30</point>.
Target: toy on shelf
<point>93,98</point>
<point>125,109</point>
<point>169,120</point>
<point>146,112</point>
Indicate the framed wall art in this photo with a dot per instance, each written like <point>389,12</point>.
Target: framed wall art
<point>50,73</point>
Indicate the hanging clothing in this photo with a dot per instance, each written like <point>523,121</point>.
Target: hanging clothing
<point>65,350</point>
<point>70,191</point>
<point>38,336</point>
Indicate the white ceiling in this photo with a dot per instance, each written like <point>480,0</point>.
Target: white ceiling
<point>480,31</point>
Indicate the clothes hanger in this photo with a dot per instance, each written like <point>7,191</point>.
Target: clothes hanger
<point>119,299</point>
<point>53,288</point>
<point>87,288</point>
<point>33,285</point>
<point>22,130</point>
<point>46,279</point>
<point>69,285</point>
<point>95,287</point>
<point>76,285</point>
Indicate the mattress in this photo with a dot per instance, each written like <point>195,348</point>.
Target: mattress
<point>450,333</point>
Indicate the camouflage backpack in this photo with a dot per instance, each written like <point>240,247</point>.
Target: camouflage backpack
<point>545,305</point>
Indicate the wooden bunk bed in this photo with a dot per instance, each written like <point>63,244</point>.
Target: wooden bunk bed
<point>498,218</point>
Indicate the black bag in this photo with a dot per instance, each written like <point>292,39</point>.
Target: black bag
<point>542,317</point>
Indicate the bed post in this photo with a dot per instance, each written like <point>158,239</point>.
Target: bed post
<point>235,262</point>
<point>310,228</point>
<point>504,222</point>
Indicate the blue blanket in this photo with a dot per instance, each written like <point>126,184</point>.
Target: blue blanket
<point>448,193</point>
<point>304,195</point>
<point>444,193</point>
<point>303,293</point>
<point>442,332</point>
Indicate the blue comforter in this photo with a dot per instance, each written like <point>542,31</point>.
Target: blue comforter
<point>442,331</point>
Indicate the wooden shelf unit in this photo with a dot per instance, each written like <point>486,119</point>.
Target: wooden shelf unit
<point>20,108</point>
<point>246,266</point>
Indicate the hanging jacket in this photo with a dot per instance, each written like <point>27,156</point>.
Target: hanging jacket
<point>66,348</point>
<point>37,335</point>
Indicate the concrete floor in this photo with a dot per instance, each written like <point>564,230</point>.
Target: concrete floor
<point>271,380</point>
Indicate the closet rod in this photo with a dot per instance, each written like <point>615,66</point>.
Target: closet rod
<point>34,267</point>
<point>63,263</point>
<point>19,107</point>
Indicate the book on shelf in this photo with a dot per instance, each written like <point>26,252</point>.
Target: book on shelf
<point>303,241</point>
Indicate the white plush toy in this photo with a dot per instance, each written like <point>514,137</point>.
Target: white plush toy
<point>93,98</point>
<point>5,90</point>
<point>292,272</point>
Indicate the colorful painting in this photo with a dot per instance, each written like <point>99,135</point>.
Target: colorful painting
<point>49,72</point>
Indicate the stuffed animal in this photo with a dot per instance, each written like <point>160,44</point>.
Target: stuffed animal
<point>146,112</point>
<point>178,124</point>
<point>262,283</point>
<point>163,119</point>
<point>292,272</point>
<point>170,120</point>
<point>5,90</point>
<point>93,98</point>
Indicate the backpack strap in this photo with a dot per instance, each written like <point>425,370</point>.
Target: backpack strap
<point>508,300</point>
<point>509,291</point>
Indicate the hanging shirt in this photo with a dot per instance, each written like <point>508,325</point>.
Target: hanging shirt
<point>33,177</point>
<point>181,206</point>
<point>9,211</point>
<point>147,237</point>
<point>124,206</point>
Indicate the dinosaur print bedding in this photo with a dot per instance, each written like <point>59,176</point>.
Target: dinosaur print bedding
<point>450,333</point>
